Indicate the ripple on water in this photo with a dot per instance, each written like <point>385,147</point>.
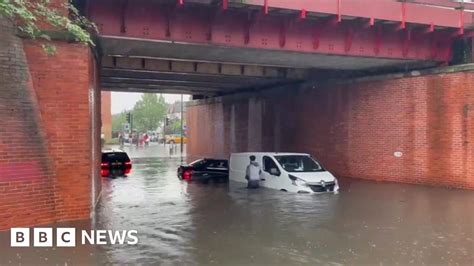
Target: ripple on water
<point>186,224</point>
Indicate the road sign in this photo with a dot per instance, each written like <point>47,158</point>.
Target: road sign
<point>126,126</point>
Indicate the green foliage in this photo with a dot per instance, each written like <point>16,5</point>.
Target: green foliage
<point>49,48</point>
<point>118,120</point>
<point>29,13</point>
<point>149,112</point>
<point>176,126</point>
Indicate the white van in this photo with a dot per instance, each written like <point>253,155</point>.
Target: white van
<point>292,172</point>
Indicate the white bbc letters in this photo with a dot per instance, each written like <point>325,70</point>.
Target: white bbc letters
<point>66,237</point>
<point>20,237</point>
<point>43,237</point>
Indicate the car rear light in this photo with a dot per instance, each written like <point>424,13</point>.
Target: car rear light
<point>104,172</point>
<point>128,167</point>
<point>187,175</point>
<point>104,169</point>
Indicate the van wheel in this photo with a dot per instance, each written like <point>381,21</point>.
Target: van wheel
<point>284,190</point>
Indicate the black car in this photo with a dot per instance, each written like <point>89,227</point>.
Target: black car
<point>115,163</point>
<point>205,170</point>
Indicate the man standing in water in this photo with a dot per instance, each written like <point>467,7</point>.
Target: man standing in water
<point>252,173</point>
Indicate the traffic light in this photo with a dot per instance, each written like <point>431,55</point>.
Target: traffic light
<point>129,118</point>
<point>167,121</point>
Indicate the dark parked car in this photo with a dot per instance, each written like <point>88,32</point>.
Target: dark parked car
<point>205,170</point>
<point>115,163</point>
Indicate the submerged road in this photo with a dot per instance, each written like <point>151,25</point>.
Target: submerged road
<point>182,223</point>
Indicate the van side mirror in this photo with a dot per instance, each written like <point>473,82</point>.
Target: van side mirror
<point>274,171</point>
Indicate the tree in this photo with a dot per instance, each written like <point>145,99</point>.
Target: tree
<point>118,120</point>
<point>149,112</point>
<point>29,14</point>
<point>176,126</point>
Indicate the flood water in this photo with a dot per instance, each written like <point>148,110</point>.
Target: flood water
<point>182,223</point>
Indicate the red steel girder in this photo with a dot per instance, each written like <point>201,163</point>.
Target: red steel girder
<point>445,3</point>
<point>265,7</point>
<point>388,10</point>
<point>200,24</point>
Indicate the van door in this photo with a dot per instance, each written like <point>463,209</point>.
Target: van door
<point>271,173</point>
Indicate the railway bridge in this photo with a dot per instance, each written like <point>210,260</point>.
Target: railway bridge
<point>381,90</point>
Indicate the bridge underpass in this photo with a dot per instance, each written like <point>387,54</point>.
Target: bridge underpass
<point>279,76</point>
<point>267,75</point>
<point>368,91</point>
<point>187,77</point>
<point>267,44</point>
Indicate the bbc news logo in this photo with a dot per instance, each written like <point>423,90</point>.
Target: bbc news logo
<point>66,237</point>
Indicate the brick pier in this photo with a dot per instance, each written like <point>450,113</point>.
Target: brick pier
<point>49,108</point>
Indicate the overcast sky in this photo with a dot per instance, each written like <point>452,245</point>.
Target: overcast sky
<point>126,100</point>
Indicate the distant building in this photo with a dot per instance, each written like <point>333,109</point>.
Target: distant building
<point>174,111</point>
<point>106,115</point>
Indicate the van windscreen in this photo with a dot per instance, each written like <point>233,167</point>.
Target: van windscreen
<point>299,163</point>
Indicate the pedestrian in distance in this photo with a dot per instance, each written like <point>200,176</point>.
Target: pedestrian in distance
<point>252,173</point>
<point>137,139</point>
<point>146,139</point>
<point>142,139</point>
<point>121,140</point>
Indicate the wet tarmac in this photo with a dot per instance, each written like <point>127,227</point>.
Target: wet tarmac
<point>182,223</point>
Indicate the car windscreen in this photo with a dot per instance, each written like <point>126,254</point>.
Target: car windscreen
<point>298,163</point>
<point>115,156</point>
<point>198,163</point>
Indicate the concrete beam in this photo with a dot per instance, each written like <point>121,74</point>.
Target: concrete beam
<point>163,90</point>
<point>192,67</point>
<point>161,82</point>
<point>157,89</point>
<point>182,66</point>
<point>208,68</point>
<point>191,77</point>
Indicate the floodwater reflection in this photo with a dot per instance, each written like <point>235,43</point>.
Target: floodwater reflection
<point>367,223</point>
<point>182,223</point>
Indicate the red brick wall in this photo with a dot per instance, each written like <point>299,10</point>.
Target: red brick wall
<point>65,110</point>
<point>46,107</point>
<point>353,128</point>
<point>106,114</point>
